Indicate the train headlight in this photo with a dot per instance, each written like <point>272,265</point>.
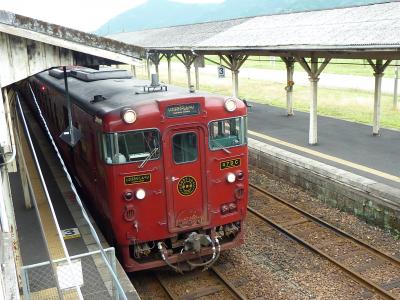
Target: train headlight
<point>140,194</point>
<point>129,116</point>
<point>230,104</point>
<point>230,177</point>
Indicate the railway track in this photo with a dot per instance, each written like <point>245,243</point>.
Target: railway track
<point>211,284</point>
<point>375,269</point>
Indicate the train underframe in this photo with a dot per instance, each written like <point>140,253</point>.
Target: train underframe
<point>185,251</point>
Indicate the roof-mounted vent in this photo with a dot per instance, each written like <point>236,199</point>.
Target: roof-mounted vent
<point>98,98</point>
<point>87,74</point>
<point>154,86</point>
<point>58,73</point>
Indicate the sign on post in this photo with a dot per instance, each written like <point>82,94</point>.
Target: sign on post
<point>221,72</point>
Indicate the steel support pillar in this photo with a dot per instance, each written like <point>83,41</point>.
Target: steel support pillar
<point>313,70</point>
<point>379,67</point>
<point>289,62</point>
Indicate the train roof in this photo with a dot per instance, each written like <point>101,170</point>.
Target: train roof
<point>111,94</point>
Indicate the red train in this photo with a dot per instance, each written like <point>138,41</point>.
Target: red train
<point>164,171</point>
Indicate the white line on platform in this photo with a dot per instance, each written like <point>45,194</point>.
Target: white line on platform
<point>327,157</point>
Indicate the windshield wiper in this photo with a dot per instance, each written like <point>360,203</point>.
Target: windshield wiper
<point>222,147</point>
<point>152,153</point>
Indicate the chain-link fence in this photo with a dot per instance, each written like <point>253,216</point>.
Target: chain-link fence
<point>87,277</point>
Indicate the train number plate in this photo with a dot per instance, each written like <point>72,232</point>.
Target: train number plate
<point>227,164</point>
<point>182,110</point>
<point>136,179</point>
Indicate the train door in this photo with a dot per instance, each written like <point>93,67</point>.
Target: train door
<point>184,156</point>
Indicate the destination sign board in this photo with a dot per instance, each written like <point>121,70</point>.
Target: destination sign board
<point>182,110</point>
<point>136,179</point>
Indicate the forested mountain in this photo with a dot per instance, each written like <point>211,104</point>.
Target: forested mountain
<point>163,13</point>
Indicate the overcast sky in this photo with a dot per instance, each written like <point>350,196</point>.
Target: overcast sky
<point>85,15</point>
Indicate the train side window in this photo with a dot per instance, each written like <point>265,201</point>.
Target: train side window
<point>131,146</point>
<point>227,133</point>
<point>185,147</point>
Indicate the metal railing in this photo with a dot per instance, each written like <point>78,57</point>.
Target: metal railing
<point>88,271</point>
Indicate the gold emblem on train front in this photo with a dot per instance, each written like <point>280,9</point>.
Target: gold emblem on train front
<point>187,186</point>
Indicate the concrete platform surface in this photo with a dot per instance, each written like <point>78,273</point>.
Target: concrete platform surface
<point>346,145</point>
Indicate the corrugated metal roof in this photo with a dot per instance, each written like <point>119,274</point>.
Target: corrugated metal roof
<point>177,36</point>
<point>365,27</point>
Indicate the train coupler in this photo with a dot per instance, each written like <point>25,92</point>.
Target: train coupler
<point>194,243</point>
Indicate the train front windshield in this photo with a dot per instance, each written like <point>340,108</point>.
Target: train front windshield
<point>132,146</point>
<point>228,133</point>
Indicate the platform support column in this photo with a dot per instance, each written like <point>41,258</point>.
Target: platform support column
<point>155,58</point>
<point>313,70</point>
<point>377,103</point>
<point>379,67</point>
<point>169,56</point>
<point>187,59</point>
<point>189,78</point>
<point>234,62</point>
<point>396,85</point>
<point>289,62</point>
<point>197,77</point>
<point>133,70</point>
<point>313,129</point>
<point>235,83</point>
<point>147,67</point>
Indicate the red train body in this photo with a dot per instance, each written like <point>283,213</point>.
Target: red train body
<point>164,171</point>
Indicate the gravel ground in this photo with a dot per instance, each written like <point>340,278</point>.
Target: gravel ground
<point>271,266</point>
<point>373,235</point>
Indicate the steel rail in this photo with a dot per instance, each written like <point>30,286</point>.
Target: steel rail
<point>166,289</point>
<point>356,276</point>
<point>381,253</point>
<point>229,286</point>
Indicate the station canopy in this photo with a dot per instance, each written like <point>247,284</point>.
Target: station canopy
<point>370,31</point>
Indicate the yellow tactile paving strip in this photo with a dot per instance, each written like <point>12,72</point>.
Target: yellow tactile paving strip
<point>49,227</point>
<point>50,231</point>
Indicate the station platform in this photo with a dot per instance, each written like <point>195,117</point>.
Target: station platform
<point>348,169</point>
<point>39,242</point>
<point>346,145</point>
